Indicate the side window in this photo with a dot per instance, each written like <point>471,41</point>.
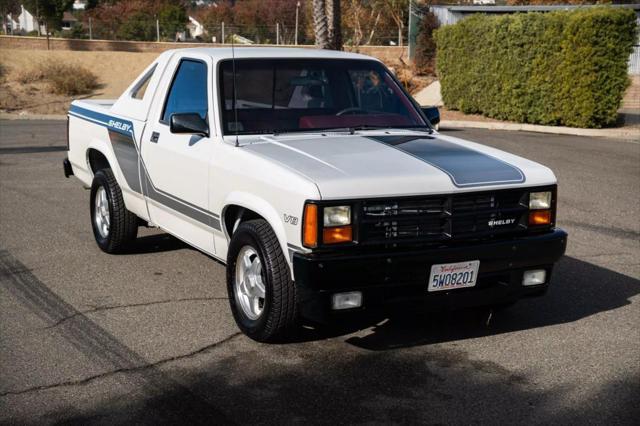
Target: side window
<point>139,91</point>
<point>188,91</point>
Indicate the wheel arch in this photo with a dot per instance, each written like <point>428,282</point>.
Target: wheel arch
<point>242,206</point>
<point>97,160</point>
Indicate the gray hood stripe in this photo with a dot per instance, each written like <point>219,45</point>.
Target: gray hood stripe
<point>465,167</point>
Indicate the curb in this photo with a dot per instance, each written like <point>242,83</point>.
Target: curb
<point>630,134</point>
<point>8,116</point>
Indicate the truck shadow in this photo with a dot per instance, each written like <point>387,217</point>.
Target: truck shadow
<point>578,290</point>
<point>155,243</point>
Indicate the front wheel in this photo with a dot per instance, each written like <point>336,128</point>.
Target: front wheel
<point>113,225</point>
<point>262,295</point>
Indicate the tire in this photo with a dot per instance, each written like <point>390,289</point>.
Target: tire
<point>122,225</point>
<point>278,316</point>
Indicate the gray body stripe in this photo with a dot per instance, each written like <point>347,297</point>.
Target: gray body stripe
<point>135,172</point>
<point>465,167</point>
<point>127,156</point>
<point>201,216</point>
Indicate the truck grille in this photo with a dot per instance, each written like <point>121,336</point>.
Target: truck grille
<point>444,218</point>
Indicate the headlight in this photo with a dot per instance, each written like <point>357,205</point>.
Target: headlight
<point>337,216</point>
<point>540,200</point>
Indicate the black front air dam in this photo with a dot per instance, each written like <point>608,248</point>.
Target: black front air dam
<point>398,278</point>
<point>68,170</point>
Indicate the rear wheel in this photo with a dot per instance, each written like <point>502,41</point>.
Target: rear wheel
<point>113,225</point>
<point>262,295</point>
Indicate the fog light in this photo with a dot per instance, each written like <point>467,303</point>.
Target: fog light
<point>534,277</point>
<point>350,300</point>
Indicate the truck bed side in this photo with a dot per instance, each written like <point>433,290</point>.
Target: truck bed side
<point>97,135</point>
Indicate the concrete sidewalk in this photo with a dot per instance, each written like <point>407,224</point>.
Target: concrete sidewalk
<point>627,133</point>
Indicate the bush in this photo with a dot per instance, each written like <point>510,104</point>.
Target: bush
<point>62,78</point>
<point>65,79</point>
<point>425,56</point>
<point>560,68</point>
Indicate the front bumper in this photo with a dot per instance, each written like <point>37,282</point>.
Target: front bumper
<point>398,278</point>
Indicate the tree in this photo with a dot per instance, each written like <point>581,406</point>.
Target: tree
<point>426,44</point>
<point>213,16</point>
<point>48,12</point>
<point>334,18</point>
<point>172,20</point>
<point>327,24</point>
<point>137,26</point>
<point>8,7</point>
<point>398,10</point>
<point>320,25</point>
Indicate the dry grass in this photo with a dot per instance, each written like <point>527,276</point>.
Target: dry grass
<point>70,80</point>
<point>411,81</point>
<point>61,78</point>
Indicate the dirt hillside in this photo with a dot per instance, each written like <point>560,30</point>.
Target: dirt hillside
<point>115,71</point>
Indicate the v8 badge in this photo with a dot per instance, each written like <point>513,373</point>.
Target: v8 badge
<point>290,219</point>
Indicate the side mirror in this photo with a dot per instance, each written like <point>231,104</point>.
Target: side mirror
<point>189,122</point>
<point>432,113</point>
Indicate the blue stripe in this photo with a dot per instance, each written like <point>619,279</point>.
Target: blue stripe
<point>125,127</point>
<point>115,124</point>
<point>465,167</point>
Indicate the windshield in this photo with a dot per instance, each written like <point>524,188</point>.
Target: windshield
<point>288,95</point>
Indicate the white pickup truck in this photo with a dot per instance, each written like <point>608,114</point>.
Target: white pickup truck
<point>319,182</point>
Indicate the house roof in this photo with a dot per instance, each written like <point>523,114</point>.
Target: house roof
<point>68,17</point>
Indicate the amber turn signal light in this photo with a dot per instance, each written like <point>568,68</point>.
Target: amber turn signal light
<point>540,217</point>
<point>337,234</point>
<point>310,226</point>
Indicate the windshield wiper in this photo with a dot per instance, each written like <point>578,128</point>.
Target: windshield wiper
<point>374,127</point>
<point>351,129</point>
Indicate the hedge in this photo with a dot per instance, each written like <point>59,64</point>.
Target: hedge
<point>558,68</point>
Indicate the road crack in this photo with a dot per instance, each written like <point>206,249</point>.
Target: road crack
<point>86,380</point>
<point>129,305</point>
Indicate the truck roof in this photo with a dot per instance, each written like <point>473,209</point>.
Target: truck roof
<point>219,53</point>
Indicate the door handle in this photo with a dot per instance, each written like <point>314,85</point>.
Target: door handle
<point>154,137</point>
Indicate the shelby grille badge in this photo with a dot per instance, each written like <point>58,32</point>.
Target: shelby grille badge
<point>500,222</point>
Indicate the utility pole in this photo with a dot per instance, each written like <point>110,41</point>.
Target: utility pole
<point>223,33</point>
<point>277,33</point>
<point>158,30</point>
<point>296,35</point>
<point>90,30</point>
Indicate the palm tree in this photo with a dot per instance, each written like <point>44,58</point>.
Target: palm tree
<point>327,24</point>
<point>320,24</point>
<point>334,19</point>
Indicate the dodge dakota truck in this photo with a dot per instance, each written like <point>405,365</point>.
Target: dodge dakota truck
<point>318,181</point>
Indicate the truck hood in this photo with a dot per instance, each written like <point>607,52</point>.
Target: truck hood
<point>376,164</point>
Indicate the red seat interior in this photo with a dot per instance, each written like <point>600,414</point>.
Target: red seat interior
<point>330,121</point>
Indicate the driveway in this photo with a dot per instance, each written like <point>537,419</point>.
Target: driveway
<point>147,337</point>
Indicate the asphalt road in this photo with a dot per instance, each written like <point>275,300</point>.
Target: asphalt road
<point>148,338</point>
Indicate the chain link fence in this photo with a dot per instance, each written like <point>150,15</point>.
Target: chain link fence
<point>280,33</point>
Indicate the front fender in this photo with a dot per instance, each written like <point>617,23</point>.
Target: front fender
<point>261,207</point>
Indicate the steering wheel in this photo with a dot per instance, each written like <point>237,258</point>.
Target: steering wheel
<point>350,110</point>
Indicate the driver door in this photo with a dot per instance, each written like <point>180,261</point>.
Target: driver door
<point>177,165</point>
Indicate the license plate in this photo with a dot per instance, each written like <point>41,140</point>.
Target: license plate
<point>448,276</point>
